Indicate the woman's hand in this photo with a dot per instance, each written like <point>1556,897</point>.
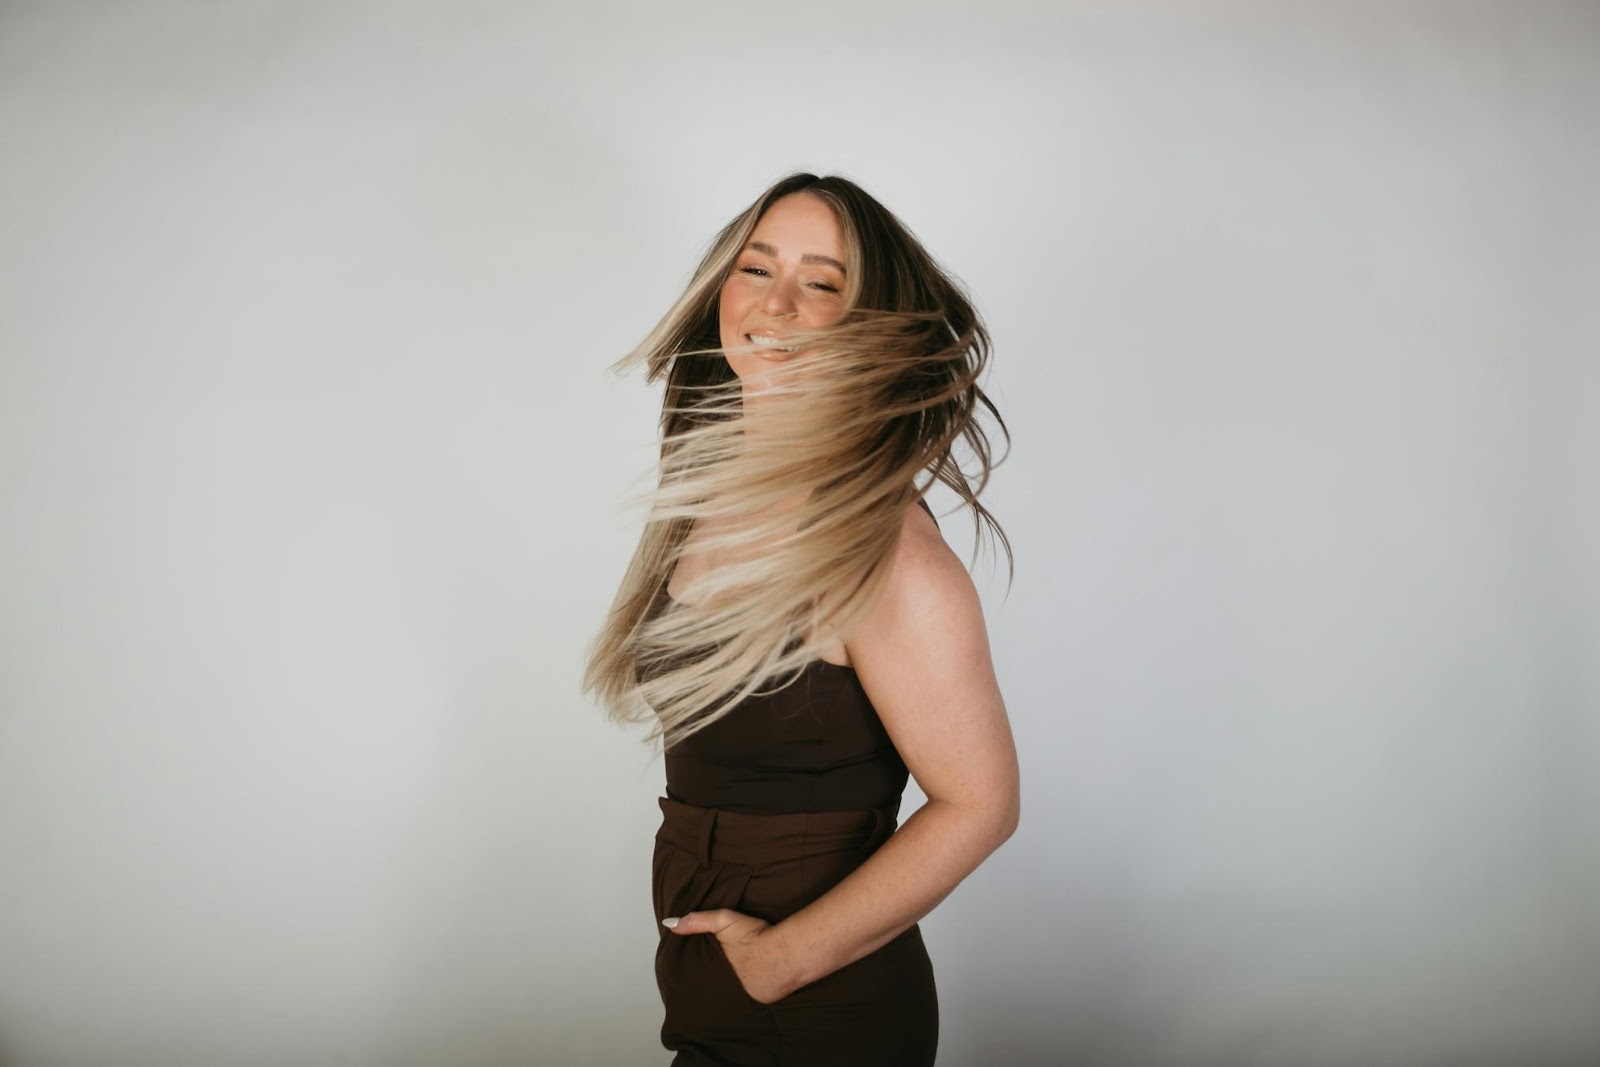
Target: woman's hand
<point>753,947</point>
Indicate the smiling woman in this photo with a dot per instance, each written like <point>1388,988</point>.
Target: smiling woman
<point>789,276</point>
<point>800,638</point>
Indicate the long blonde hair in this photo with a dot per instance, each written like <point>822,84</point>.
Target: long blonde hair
<point>876,399</point>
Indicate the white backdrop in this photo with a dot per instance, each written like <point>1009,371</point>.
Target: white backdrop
<point>312,477</point>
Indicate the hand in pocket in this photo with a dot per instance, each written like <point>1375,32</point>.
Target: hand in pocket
<point>753,947</point>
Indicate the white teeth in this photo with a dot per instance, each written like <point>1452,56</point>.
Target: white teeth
<point>767,341</point>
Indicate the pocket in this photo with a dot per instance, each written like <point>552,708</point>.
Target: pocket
<point>699,987</point>
<point>720,955</point>
<point>729,892</point>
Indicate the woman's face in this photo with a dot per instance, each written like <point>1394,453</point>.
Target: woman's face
<point>789,276</point>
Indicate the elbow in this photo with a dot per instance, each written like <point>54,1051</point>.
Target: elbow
<point>989,820</point>
<point>1006,820</point>
<point>1013,818</point>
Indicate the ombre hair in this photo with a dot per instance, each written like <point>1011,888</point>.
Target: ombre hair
<point>862,422</point>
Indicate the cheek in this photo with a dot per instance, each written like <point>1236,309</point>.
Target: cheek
<point>731,307</point>
<point>734,294</point>
<point>825,315</point>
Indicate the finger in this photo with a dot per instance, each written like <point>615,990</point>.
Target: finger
<point>698,922</point>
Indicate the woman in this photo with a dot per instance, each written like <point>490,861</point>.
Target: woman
<point>800,636</point>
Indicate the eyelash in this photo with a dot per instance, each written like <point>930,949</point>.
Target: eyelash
<point>819,285</point>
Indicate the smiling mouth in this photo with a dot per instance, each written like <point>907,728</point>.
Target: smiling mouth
<point>768,343</point>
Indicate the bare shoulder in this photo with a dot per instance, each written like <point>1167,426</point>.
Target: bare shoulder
<point>924,565</point>
<point>928,600</point>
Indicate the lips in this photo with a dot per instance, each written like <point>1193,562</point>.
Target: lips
<point>770,341</point>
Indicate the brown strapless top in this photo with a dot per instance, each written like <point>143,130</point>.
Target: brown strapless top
<point>816,745</point>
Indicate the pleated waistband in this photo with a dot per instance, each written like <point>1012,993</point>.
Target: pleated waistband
<point>717,835</point>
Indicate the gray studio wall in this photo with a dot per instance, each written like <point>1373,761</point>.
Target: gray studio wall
<point>313,483</point>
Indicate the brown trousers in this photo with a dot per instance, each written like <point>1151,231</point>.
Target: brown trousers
<point>881,1010</point>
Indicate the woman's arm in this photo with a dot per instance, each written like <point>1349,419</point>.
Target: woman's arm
<point>922,655</point>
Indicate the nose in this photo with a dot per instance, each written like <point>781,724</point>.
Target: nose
<point>780,299</point>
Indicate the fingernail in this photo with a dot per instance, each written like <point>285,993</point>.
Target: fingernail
<point>669,923</point>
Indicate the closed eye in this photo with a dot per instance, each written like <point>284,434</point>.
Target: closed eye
<point>824,286</point>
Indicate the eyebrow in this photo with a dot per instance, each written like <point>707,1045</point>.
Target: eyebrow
<point>809,257</point>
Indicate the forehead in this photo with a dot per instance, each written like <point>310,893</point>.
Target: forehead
<point>800,223</point>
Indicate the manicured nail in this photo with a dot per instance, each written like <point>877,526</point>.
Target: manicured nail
<point>669,923</point>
